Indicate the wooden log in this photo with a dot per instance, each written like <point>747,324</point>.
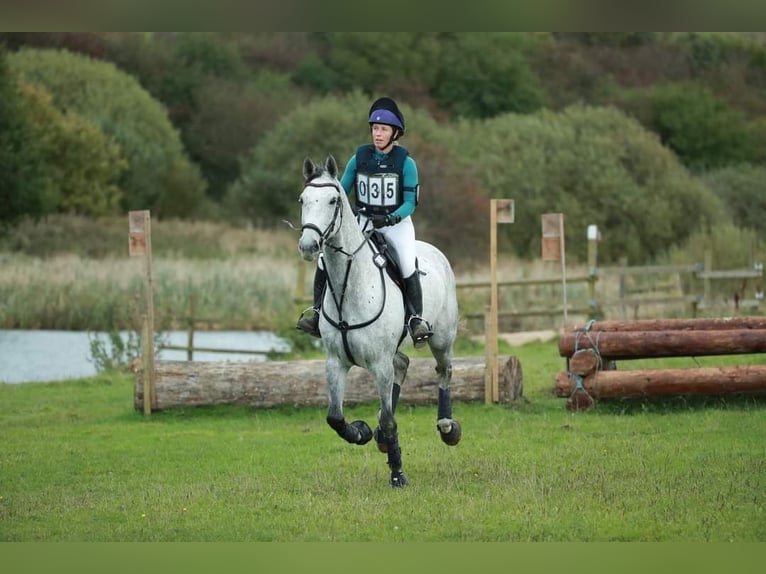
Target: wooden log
<point>650,344</point>
<point>727,323</point>
<point>665,382</point>
<point>302,383</point>
<point>584,362</point>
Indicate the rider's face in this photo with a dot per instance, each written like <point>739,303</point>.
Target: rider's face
<point>382,136</point>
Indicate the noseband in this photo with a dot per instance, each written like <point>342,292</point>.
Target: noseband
<point>324,235</point>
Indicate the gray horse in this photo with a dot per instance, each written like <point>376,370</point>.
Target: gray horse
<point>363,317</point>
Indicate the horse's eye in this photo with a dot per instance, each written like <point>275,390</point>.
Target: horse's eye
<point>333,201</point>
<point>300,200</point>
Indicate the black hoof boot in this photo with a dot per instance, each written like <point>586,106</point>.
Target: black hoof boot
<point>381,440</point>
<point>365,432</point>
<point>452,437</point>
<point>398,480</point>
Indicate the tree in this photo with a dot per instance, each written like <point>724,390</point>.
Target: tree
<point>22,177</point>
<point>690,120</point>
<point>595,165</point>
<point>81,164</point>
<point>483,75</point>
<point>159,169</point>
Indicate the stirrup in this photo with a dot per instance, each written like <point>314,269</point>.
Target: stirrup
<point>309,325</point>
<point>420,330</point>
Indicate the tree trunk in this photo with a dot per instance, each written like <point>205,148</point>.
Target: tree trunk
<point>674,324</point>
<point>649,344</point>
<point>302,383</point>
<point>659,382</point>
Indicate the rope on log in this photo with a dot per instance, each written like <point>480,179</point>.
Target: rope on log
<point>302,383</point>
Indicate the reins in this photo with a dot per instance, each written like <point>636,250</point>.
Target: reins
<point>341,324</point>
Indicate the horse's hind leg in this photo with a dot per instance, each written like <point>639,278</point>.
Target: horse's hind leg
<point>449,429</point>
<point>401,364</point>
<point>357,432</point>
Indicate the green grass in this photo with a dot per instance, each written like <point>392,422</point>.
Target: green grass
<point>79,464</point>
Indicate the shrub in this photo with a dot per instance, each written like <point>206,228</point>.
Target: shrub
<point>22,170</point>
<point>741,189</point>
<point>690,120</point>
<point>595,165</point>
<point>160,176</point>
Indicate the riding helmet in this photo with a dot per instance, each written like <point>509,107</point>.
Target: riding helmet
<point>385,111</point>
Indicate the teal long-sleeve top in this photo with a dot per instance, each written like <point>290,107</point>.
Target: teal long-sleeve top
<point>409,174</point>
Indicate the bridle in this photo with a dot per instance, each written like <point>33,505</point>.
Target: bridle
<point>330,229</point>
<point>324,237</point>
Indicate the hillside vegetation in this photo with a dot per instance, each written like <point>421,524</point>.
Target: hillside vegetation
<point>654,137</point>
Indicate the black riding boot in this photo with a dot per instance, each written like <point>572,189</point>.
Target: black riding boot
<point>419,328</point>
<point>310,324</point>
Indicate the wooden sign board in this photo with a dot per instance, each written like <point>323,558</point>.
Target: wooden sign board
<point>138,223</point>
<point>553,231</point>
<point>504,210</point>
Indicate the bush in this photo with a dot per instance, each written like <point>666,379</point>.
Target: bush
<point>160,176</point>
<point>741,189</point>
<point>690,120</point>
<point>82,165</point>
<point>22,170</point>
<point>483,75</point>
<point>596,166</point>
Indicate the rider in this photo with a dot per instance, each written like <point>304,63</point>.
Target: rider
<point>385,180</point>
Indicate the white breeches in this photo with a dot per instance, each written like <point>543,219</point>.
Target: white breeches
<point>401,240</point>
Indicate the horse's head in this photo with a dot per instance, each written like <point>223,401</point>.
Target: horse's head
<point>321,206</point>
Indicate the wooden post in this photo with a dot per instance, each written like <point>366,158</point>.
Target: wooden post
<point>140,243</point>
<point>553,249</point>
<point>489,352</point>
<point>706,281</point>
<point>593,239</point>
<point>501,211</point>
<point>190,328</point>
<point>491,337</point>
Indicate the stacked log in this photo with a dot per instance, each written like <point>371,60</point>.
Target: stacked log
<point>302,383</point>
<point>592,350</point>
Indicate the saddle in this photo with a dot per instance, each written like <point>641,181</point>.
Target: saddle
<point>394,271</point>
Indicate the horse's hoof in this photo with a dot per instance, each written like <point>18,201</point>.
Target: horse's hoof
<point>398,480</point>
<point>380,440</point>
<point>452,437</point>
<point>365,432</point>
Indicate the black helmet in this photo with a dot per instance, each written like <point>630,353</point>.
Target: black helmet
<point>385,111</point>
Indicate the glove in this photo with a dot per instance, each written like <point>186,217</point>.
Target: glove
<point>379,221</point>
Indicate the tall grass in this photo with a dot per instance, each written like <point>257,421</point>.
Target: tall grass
<point>74,273</point>
<point>79,464</point>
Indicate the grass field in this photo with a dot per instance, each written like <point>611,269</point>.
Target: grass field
<point>79,464</point>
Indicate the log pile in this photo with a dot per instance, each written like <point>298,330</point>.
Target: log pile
<point>302,383</point>
<point>592,350</point>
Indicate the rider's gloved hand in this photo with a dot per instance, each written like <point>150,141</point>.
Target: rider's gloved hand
<point>379,221</point>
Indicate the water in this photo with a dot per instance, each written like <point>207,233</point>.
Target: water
<point>39,356</point>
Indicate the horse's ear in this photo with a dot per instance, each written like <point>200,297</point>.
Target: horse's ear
<point>331,166</point>
<point>308,168</point>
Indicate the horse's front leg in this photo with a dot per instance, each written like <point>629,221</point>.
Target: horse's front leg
<point>384,378</point>
<point>357,432</point>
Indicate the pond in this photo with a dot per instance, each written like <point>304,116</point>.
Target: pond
<point>40,356</point>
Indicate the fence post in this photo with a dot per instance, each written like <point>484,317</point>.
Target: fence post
<point>190,323</point>
<point>593,238</point>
